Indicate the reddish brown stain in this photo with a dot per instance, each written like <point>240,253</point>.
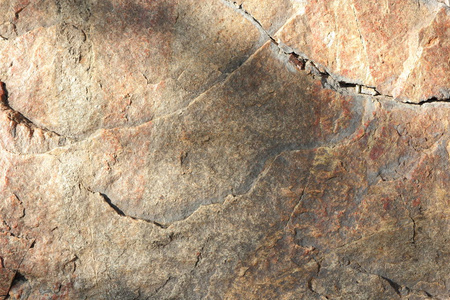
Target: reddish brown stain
<point>298,62</point>
<point>386,203</point>
<point>376,152</point>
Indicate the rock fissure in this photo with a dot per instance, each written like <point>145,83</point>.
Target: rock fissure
<point>299,202</point>
<point>240,9</point>
<point>120,212</point>
<point>17,12</point>
<point>429,101</point>
<point>177,112</point>
<point>163,285</point>
<point>266,166</point>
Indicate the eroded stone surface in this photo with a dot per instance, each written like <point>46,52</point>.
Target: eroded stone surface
<point>399,47</point>
<point>173,150</point>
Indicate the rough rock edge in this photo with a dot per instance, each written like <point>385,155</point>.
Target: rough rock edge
<point>248,189</point>
<point>17,117</point>
<point>329,80</point>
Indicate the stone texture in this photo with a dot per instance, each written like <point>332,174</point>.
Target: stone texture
<point>224,150</point>
<point>399,47</point>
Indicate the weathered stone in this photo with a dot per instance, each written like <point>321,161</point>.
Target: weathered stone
<point>399,47</point>
<point>224,150</point>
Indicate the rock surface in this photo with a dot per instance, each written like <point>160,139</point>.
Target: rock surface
<point>224,150</point>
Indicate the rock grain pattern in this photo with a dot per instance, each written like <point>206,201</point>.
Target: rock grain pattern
<point>224,149</point>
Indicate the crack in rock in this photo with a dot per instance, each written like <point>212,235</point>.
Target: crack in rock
<point>429,101</point>
<point>17,12</point>
<point>163,285</point>
<point>119,211</point>
<point>268,162</point>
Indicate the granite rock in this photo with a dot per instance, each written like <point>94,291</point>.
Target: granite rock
<point>401,48</point>
<point>224,150</point>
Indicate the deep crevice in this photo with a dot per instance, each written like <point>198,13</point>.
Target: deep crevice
<point>112,205</point>
<point>301,62</point>
<point>18,279</point>
<point>430,100</point>
<point>397,287</point>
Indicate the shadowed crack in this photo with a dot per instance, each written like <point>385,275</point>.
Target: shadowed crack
<point>429,101</point>
<point>414,228</point>
<point>397,287</point>
<point>113,206</point>
<point>163,285</point>
<point>122,214</point>
<point>268,162</point>
<point>118,210</point>
<point>17,12</point>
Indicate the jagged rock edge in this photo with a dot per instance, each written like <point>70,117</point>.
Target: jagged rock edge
<point>17,117</point>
